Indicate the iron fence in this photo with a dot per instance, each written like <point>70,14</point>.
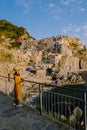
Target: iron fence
<point>67,109</point>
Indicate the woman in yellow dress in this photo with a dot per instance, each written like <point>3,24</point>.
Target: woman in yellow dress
<point>17,88</point>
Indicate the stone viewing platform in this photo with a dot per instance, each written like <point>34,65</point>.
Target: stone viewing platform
<point>24,118</point>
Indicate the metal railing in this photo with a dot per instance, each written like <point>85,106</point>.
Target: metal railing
<point>66,108</point>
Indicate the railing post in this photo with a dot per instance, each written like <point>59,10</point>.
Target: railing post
<point>85,110</point>
<point>40,92</point>
<point>9,77</point>
<point>6,88</point>
<point>8,84</point>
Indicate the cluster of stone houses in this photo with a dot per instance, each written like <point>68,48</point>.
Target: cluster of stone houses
<point>57,49</point>
<point>52,55</point>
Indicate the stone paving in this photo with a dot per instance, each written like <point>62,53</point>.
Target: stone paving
<point>23,118</point>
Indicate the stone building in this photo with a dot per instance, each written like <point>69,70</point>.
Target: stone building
<point>71,64</point>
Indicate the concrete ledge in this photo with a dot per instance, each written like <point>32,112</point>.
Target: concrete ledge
<point>23,118</point>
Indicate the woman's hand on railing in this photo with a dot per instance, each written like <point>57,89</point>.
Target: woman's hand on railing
<point>22,79</point>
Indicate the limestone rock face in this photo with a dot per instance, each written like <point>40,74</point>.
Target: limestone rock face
<point>71,63</point>
<point>83,64</point>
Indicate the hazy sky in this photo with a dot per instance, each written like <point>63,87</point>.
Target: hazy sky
<point>46,18</point>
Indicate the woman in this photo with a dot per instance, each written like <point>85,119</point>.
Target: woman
<point>17,88</point>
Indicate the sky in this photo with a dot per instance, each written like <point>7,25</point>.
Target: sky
<point>47,18</point>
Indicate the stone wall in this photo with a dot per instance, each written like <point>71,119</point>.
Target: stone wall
<point>71,64</point>
<point>83,64</point>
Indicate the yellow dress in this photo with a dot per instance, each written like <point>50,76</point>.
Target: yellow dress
<point>17,87</point>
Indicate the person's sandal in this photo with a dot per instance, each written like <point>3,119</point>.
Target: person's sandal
<point>19,105</point>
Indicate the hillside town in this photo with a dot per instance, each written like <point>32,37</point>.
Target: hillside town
<point>55,54</point>
<point>58,59</point>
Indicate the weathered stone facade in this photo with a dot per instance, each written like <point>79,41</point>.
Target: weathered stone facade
<point>72,63</point>
<point>83,64</point>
